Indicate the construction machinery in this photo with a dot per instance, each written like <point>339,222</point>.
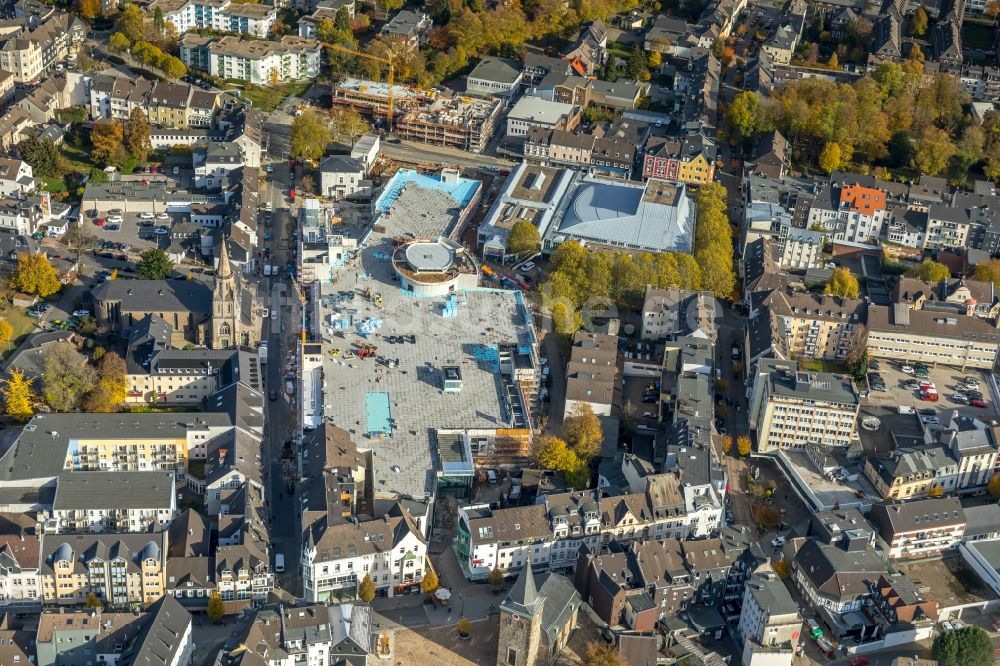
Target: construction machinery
<point>367,351</point>
<point>390,79</point>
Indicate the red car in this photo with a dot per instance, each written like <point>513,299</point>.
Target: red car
<point>929,397</point>
<point>99,221</point>
<point>978,403</point>
<point>859,661</point>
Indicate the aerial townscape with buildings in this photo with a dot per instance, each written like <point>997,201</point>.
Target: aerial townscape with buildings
<point>498,332</point>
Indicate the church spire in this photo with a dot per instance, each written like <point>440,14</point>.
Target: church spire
<point>225,270</point>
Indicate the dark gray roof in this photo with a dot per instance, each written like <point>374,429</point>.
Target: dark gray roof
<point>984,519</point>
<point>124,490</point>
<point>925,514</point>
<point>166,633</point>
<point>157,295</point>
<point>523,597</point>
<point>500,70</point>
<point>341,164</point>
<point>771,594</point>
<point>838,573</point>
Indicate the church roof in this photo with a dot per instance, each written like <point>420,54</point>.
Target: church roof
<point>523,597</point>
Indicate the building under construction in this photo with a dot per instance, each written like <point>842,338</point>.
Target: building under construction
<point>371,98</point>
<point>464,123</point>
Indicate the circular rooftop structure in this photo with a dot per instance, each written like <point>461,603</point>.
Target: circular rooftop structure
<point>428,257</point>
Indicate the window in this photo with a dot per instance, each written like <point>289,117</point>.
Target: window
<point>511,656</point>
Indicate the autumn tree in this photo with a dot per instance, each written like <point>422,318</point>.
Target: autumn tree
<point>6,333</point>
<point>106,137</point>
<point>842,283</point>
<point>744,113</point>
<point>131,23</point>
<point>551,452</point>
<point>118,43</point>
<point>154,264</point>
<point>66,377</point>
<point>89,9</point>
<point>366,590</point>
<point>310,135</point>
<point>582,430</point>
<point>111,389</point>
<point>137,141</point>
<point>767,516</point>
<point>93,602</point>
<point>918,22</point>
<point>18,396</point>
<point>727,444</point>
<point>464,626</point>
<point>934,149</point>
<point>34,275</point>
<point>216,607</point>
<point>523,238</point>
<point>994,486</point>
<point>932,271</point>
<point>782,569</point>
<point>495,578</point>
<point>989,272</point>
<point>429,584</point>
<point>830,158</point>
<point>743,445</point>
<point>916,53</point>
<point>600,653</point>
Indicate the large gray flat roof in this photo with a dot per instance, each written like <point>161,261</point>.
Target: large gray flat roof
<point>102,490</point>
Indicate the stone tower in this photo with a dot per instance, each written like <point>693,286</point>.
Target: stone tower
<point>520,622</point>
<point>225,304</point>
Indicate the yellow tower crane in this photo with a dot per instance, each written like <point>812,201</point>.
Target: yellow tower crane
<point>390,79</point>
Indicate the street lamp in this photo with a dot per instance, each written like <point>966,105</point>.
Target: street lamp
<point>462,599</point>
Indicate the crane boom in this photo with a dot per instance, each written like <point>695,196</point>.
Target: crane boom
<point>390,78</point>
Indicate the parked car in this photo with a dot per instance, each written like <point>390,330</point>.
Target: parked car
<point>930,419</point>
<point>161,231</point>
<point>778,542</point>
<point>146,216</point>
<point>116,219</point>
<point>959,398</point>
<point>81,313</point>
<point>859,661</point>
<point>814,629</point>
<point>976,402</point>
<point>162,216</point>
<point>527,266</point>
<point>929,396</point>
<point>907,369</point>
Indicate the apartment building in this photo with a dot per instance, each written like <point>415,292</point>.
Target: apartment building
<point>769,618</point>
<point>807,325</point>
<point>920,528</point>
<point>122,570</point>
<point>257,61</point>
<point>835,576</point>
<point>337,555</point>
<point>793,409</point>
<point>224,16</point>
<point>799,249</point>
<point>20,585</point>
<point>409,27</point>
<point>171,108</point>
<point>668,314</point>
<point>342,176</point>
<point>168,103</point>
<point>536,112</point>
<point>215,162</point>
<point>959,296</point>
<point>116,96</point>
<point>549,535</point>
<point>495,76</point>
<point>34,50</point>
<point>111,502</point>
<point>901,333</point>
<point>688,159</point>
<point>163,375</point>
<point>850,212</point>
<point>591,372</point>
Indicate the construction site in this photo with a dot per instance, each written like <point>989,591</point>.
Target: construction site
<point>464,123</point>
<point>434,383</point>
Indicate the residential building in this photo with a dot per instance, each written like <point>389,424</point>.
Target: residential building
<point>163,375</point>
<point>261,62</point>
<point>20,586</point>
<point>342,177</point>
<point>799,249</point>
<point>161,635</point>
<point>792,409</point>
<point>971,298</point>
<point>982,522</point>
<point>410,27</point>
<point>494,76</point>
<point>34,48</point>
<point>850,212</point>
<point>550,534</point>
<point>366,150</point>
<point>214,163</point>
<point>111,502</point>
<point>618,95</point>
<point>902,333</point>
<point>591,373</point>
<point>805,325</point>
<point>537,618</point>
<point>337,555</point>
<point>688,159</point>
<point>168,103</point>
<point>836,576</point>
<point>16,178</point>
<point>116,96</point>
<point>535,112</point>
<point>920,528</point>
<point>17,646</point>
<point>124,570</point>
<point>769,618</point>
<point>668,314</point>
<point>900,601</point>
<point>224,16</point>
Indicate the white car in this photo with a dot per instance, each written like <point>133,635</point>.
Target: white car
<point>161,231</point>
<point>146,216</point>
<point>907,369</point>
<point>176,170</point>
<point>81,313</point>
<point>116,219</point>
<point>274,314</point>
<point>778,542</point>
<point>527,266</point>
<point>905,409</point>
<point>162,216</point>
<point>930,419</point>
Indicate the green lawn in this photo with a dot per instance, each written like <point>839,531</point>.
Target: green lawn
<point>22,324</point>
<point>820,365</point>
<point>267,98</point>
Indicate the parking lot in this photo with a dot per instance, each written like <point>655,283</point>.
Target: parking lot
<point>131,235</point>
<point>946,380</point>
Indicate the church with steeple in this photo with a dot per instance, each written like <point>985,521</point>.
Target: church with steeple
<point>234,321</point>
<point>537,618</point>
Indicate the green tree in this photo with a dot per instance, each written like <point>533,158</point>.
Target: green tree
<point>132,23</point>
<point>342,20</point>
<point>158,23</point>
<point>66,377</point>
<point>989,272</point>
<point>496,577</point>
<point>18,397</point>
<point>744,113</point>
<point>6,333</point>
<point>172,67</point>
<point>34,275</point>
<point>523,238</point>
<point>932,271</point>
<point>138,142</point>
<point>830,158</point>
<point>111,389</point>
<point>310,135</point>
<point>934,149</point>
<point>93,602</point>
<point>154,264</point>
<point>118,43</point>
<point>429,584</point>
<point>842,283</point>
<point>216,607</point>
<point>43,156</point>
<point>636,64</point>
<point>968,646</point>
<point>859,367</point>
<point>918,22</point>
<point>366,591</point>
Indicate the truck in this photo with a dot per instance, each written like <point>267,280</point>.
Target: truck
<point>262,353</point>
<point>267,270</point>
